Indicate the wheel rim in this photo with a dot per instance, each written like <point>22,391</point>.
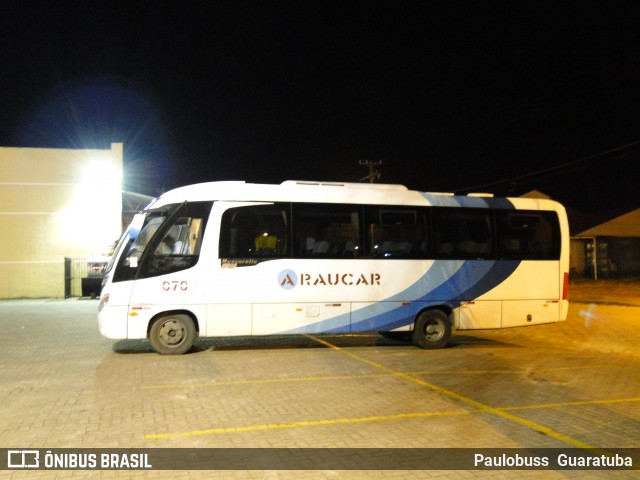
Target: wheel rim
<point>172,333</point>
<point>434,330</point>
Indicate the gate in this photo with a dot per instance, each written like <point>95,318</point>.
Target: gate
<point>83,276</point>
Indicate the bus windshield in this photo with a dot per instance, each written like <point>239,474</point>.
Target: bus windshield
<point>131,233</point>
<point>139,245</point>
<point>168,241</point>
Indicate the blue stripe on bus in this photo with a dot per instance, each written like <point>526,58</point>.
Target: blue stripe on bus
<point>445,283</point>
<point>459,287</point>
<point>473,279</point>
<point>438,274</point>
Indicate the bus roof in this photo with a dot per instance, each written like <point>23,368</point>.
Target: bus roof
<point>341,192</point>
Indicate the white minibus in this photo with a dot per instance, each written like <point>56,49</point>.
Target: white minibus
<point>235,258</point>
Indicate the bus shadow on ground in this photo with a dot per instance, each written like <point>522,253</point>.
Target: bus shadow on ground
<point>267,342</point>
<point>275,342</point>
<point>470,341</point>
<point>132,346</point>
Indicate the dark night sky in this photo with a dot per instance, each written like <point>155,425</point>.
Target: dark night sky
<point>490,96</point>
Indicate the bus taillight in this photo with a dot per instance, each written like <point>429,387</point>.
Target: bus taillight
<point>565,287</point>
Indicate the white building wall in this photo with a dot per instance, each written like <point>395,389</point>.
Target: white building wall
<point>55,203</point>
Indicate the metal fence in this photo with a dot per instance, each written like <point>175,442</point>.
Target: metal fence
<point>83,276</point>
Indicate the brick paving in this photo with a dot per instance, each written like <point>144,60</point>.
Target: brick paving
<point>63,386</point>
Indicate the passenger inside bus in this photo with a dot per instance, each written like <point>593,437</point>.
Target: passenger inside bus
<point>266,244</point>
<point>166,246</point>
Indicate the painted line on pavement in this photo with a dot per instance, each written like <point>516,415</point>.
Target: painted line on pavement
<point>477,407</point>
<point>313,423</point>
<point>466,400</point>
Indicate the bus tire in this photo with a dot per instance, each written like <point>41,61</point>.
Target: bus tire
<point>172,334</point>
<point>432,329</point>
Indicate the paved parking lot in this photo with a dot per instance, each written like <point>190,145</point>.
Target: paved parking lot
<point>572,384</point>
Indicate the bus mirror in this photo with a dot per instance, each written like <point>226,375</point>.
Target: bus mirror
<point>136,226</point>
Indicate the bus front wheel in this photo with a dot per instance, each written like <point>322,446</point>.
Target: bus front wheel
<point>173,334</point>
<point>432,329</point>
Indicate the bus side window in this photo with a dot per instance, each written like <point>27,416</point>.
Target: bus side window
<point>528,235</point>
<point>255,231</point>
<point>396,232</point>
<point>326,230</point>
<point>463,233</point>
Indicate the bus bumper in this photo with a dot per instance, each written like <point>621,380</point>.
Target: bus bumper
<point>112,322</point>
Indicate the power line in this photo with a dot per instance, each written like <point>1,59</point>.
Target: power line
<point>375,170</point>
<point>555,170</point>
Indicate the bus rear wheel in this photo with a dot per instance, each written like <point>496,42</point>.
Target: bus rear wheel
<point>432,329</point>
<point>172,334</point>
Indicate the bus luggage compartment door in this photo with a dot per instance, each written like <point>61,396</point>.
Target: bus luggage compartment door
<point>288,318</point>
<point>479,314</point>
<point>517,313</point>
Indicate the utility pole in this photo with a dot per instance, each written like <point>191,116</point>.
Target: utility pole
<point>374,170</point>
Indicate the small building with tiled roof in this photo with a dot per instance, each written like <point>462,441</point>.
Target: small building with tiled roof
<point>610,249</point>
